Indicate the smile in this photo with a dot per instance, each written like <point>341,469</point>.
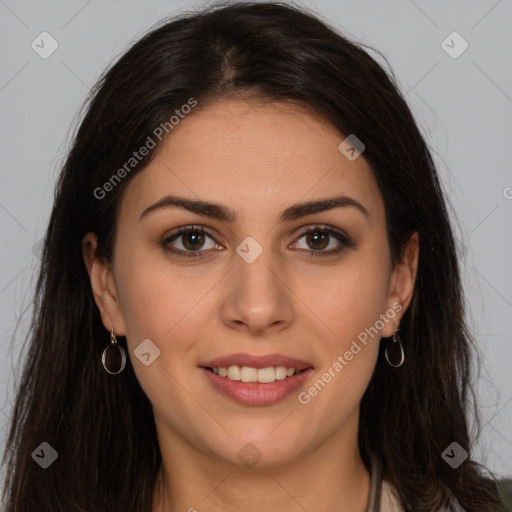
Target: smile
<point>250,374</point>
<point>257,393</point>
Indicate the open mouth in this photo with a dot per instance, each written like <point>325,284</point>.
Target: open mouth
<point>249,374</point>
<point>261,384</point>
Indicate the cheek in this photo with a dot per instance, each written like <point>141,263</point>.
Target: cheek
<point>351,310</point>
<point>156,298</point>
<point>160,306</point>
<point>350,307</point>
<point>354,298</point>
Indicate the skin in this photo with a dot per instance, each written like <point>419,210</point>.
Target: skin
<point>257,159</point>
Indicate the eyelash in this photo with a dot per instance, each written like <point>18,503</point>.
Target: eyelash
<point>341,237</point>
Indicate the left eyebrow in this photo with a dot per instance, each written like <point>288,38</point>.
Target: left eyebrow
<point>309,208</point>
<point>225,214</point>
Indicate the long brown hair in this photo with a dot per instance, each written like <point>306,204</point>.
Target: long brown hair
<point>102,426</point>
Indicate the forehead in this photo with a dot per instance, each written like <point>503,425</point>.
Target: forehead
<point>253,155</point>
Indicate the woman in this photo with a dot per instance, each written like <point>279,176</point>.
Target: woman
<point>249,297</point>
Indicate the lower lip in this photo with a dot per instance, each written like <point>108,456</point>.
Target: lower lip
<point>255,393</point>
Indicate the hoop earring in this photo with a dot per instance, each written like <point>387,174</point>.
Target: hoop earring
<point>113,344</point>
<point>396,339</point>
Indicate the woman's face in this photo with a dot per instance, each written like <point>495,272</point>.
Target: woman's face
<point>253,290</point>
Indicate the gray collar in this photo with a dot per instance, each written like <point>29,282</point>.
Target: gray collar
<point>375,485</point>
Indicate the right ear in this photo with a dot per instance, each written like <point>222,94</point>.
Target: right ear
<point>103,286</point>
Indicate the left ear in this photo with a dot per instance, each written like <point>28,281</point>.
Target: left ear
<point>401,284</point>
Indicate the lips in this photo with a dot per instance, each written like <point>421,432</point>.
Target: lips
<point>256,361</point>
<point>256,393</point>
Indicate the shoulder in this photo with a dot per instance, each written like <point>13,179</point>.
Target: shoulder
<point>389,501</point>
<point>455,506</point>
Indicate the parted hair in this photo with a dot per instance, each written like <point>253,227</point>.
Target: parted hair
<point>102,426</point>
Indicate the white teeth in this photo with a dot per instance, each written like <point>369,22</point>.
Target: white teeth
<point>280,373</point>
<point>266,375</point>
<point>234,372</point>
<point>248,374</point>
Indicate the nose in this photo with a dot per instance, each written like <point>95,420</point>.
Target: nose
<point>258,297</point>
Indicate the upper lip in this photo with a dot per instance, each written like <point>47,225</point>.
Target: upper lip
<point>256,361</point>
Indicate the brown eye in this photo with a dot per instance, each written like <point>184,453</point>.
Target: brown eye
<point>192,241</point>
<point>319,238</point>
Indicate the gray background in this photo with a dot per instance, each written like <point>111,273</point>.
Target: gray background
<point>463,106</point>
